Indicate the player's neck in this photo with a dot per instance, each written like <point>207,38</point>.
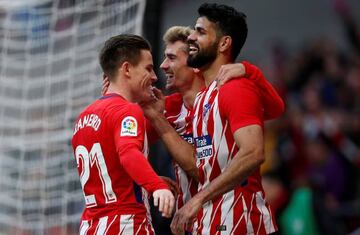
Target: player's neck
<point>189,93</point>
<point>210,72</point>
<point>121,90</point>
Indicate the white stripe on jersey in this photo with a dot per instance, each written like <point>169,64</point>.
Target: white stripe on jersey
<point>220,144</point>
<point>268,223</point>
<point>146,146</point>
<point>206,218</point>
<point>84,227</point>
<point>206,101</point>
<point>227,211</point>
<point>197,106</point>
<point>100,229</point>
<point>127,224</point>
<point>184,184</point>
<point>249,226</point>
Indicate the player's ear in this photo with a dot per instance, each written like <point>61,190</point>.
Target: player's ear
<point>125,69</point>
<point>225,43</point>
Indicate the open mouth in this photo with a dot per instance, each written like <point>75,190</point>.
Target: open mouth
<point>193,49</point>
<point>169,76</point>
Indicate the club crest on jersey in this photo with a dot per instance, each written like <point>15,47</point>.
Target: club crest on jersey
<point>206,109</point>
<point>129,126</point>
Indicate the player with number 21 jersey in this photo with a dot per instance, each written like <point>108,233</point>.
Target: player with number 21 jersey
<point>107,136</point>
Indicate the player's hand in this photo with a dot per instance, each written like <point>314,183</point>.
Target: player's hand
<point>174,188</point>
<point>228,72</point>
<point>185,216</point>
<point>165,200</point>
<point>105,85</point>
<point>156,106</point>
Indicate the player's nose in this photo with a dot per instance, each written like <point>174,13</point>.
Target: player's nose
<point>191,37</point>
<point>164,65</point>
<point>153,77</point>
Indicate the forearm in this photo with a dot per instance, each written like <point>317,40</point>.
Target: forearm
<point>181,151</point>
<point>241,166</point>
<point>134,162</point>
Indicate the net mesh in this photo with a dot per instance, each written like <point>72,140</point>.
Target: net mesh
<point>48,73</point>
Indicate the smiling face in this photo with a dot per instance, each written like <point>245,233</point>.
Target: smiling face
<point>179,75</point>
<point>203,43</point>
<point>142,77</point>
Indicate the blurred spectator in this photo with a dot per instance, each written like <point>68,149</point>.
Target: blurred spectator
<point>312,179</point>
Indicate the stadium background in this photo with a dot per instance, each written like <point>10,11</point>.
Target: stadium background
<point>309,50</point>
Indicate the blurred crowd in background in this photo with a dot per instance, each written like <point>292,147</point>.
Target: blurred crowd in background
<point>311,176</point>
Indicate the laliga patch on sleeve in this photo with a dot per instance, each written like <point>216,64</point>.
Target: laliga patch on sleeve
<point>129,126</point>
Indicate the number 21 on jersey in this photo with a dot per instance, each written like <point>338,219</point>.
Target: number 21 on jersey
<point>91,159</point>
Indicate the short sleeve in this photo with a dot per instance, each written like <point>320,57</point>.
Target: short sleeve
<point>128,128</point>
<point>240,103</point>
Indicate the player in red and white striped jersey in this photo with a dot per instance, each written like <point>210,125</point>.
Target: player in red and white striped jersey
<point>186,82</point>
<point>110,145</point>
<point>228,131</point>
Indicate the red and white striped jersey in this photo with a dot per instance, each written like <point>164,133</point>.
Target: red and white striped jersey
<point>179,117</point>
<point>110,147</point>
<point>217,115</point>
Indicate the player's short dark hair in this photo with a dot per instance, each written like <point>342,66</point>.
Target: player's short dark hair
<point>229,22</point>
<point>121,48</point>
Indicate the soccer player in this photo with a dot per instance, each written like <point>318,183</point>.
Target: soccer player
<point>228,128</point>
<point>110,145</point>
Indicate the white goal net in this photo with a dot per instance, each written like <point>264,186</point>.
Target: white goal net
<point>48,73</point>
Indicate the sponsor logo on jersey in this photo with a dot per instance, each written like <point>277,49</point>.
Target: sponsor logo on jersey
<point>188,138</point>
<point>203,146</point>
<point>128,126</point>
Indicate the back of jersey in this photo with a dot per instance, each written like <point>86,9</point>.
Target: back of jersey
<point>107,188</point>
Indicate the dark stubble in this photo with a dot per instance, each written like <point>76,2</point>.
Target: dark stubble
<point>204,56</point>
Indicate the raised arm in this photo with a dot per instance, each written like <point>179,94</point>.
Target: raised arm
<point>273,104</point>
<point>181,151</point>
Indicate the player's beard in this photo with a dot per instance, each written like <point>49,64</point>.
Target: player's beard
<point>203,57</point>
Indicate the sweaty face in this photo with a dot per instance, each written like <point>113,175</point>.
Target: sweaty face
<point>142,78</point>
<point>179,75</point>
<point>203,44</point>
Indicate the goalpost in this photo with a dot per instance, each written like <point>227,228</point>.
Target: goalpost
<point>49,72</point>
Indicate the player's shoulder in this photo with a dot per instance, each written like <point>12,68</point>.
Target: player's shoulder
<point>237,84</point>
<point>125,108</point>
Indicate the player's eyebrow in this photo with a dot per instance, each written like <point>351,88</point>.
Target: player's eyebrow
<point>199,29</point>
<point>169,54</point>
